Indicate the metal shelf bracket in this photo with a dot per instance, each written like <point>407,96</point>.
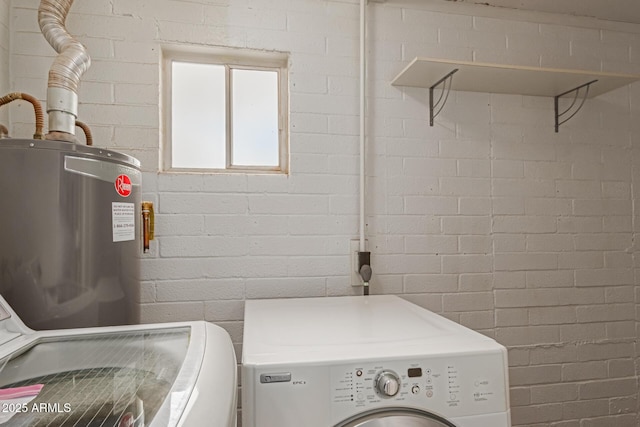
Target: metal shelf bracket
<point>572,109</point>
<point>436,107</point>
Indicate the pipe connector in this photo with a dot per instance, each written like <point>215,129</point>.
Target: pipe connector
<point>87,131</point>
<point>364,269</point>
<point>62,107</point>
<point>37,108</point>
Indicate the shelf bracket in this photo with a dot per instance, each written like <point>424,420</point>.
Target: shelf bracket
<point>436,107</point>
<point>572,109</point>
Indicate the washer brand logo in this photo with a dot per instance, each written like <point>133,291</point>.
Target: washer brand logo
<point>299,382</point>
<point>123,185</point>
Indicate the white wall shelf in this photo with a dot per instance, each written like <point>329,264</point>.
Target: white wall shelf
<point>509,79</point>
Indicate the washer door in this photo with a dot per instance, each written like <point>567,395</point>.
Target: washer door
<point>396,417</point>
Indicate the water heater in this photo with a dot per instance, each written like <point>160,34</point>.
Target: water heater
<point>69,233</point>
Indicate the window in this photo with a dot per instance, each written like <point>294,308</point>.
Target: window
<point>226,110</point>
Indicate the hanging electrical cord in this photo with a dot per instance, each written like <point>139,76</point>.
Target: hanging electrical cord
<point>37,108</point>
<point>87,131</point>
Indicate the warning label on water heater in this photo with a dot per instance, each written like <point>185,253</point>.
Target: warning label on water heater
<point>123,220</point>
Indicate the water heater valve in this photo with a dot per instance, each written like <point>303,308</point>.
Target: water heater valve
<point>148,225</point>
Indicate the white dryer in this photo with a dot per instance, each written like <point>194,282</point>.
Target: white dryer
<point>369,361</point>
<point>160,375</point>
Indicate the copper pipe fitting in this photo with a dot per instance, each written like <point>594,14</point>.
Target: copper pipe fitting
<point>148,225</point>
<point>87,131</point>
<point>37,108</point>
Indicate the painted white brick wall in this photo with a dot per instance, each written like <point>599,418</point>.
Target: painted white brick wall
<point>489,217</point>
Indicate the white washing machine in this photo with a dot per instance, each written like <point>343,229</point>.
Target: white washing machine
<point>374,361</point>
<point>173,374</point>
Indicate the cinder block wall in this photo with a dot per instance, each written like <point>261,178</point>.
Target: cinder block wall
<point>489,217</point>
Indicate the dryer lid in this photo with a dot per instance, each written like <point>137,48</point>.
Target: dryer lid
<point>11,326</point>
<point>305,330</point>
<point>112,376</point>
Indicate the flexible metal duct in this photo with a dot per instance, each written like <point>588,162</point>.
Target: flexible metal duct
<point>64,76</point>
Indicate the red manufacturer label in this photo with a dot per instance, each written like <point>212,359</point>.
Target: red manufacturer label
<point>123,185</point>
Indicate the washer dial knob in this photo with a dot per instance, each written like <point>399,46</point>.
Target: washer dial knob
<point>387,383</point>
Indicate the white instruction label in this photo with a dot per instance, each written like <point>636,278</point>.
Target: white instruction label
<point>123,219</point>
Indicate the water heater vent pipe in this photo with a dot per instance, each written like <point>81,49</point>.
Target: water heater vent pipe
<point>64,76</point>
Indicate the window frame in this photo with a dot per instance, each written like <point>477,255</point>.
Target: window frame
<point>230,58</point>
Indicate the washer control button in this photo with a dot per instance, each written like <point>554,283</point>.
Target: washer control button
<point>415,389</point>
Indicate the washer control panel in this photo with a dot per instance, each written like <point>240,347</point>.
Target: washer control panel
<point>460,385</point>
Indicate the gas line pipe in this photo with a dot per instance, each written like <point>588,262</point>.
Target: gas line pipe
<point>37,108</point>
<point>364,257</point>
